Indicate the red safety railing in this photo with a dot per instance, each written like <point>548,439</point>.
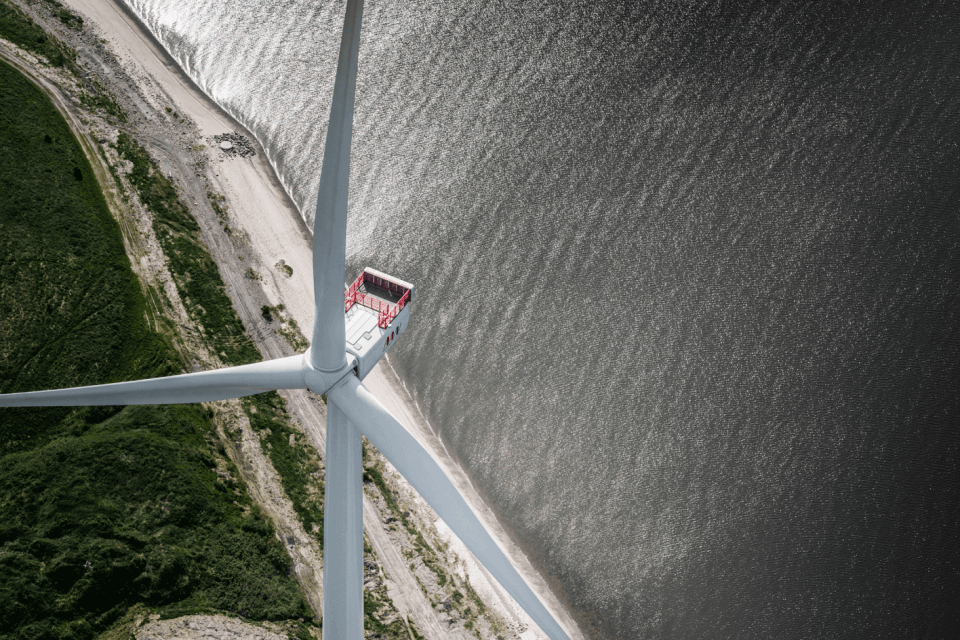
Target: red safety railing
<point>385,311</point>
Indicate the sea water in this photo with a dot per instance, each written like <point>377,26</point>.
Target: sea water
<point>687,282</point>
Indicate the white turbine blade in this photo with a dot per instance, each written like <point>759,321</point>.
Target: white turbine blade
<point>428,479</point>
<point>343,529</point>
<point>330,222</point>
<point>220,384</point>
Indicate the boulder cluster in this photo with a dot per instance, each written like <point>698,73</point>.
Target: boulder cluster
<point>234,144</point>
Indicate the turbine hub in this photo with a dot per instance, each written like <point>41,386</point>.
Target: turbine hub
<point>321,381</point>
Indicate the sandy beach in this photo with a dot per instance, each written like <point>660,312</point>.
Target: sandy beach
<point>273,233</point>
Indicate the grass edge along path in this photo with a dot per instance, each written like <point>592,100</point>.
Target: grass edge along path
<point>195,273</point>
<point>71,309</point>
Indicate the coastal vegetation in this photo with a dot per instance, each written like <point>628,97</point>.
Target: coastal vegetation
<point>134,509</point>
<point>217,201</point>
<point>446,592</point>
<point>378,606</point>
<point>373,474</point>
<point>284,268</point>
<point>101,99</point>
<point>295,460</point>
<point>196,275</point>
<point>19,29</point>
<point>103,508</point>
<point>287,327</point>
<point>71,310</point>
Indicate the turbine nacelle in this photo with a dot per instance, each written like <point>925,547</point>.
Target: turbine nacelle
<point>377,308</point>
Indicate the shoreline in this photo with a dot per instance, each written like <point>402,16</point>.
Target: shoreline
<point>272,231</point>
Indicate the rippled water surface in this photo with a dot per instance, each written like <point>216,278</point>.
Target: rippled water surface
<point>687,282</point>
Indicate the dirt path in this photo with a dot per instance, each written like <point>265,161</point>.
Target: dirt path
<point>398,570</point>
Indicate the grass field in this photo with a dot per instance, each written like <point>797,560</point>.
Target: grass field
<point>71,310</point>
<point>103,508</point>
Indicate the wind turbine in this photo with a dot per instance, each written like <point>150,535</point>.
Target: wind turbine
<point>334,367</point>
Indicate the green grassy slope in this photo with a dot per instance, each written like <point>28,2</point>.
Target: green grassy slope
<point>133,511</point>
<point>71,311</point>
<point>102,508</point>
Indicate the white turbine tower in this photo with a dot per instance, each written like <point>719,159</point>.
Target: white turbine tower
<point>334,367</point>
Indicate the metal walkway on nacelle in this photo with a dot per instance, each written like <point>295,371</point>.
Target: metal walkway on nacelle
<point>377,309</point>
<point>362,325</point>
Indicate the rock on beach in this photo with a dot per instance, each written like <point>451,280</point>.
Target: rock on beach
<point>234,145</point>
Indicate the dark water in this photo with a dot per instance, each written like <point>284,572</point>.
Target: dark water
<point>687,286</point>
